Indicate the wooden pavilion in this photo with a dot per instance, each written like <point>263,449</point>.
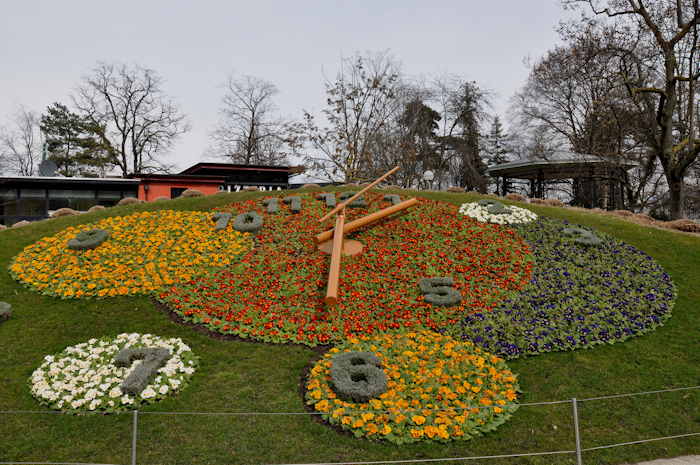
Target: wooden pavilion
<point>596,182</point>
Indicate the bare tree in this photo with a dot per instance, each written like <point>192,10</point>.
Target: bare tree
<point>248,131</point>
<point>20,143</point>
<point>139,122</point>
<point>667,49</point>
<point>360,103</point>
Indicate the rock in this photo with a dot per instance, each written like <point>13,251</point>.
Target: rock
<point>129,201</point>
<point>19,224</point>
<point>161,198</point>
<point>64,212</point>
<point>251,188</point>
<point>192,193</point>
<point>96,208</point>
<point>2,226</point>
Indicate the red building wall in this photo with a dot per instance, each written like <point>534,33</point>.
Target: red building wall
<point>150,189</point>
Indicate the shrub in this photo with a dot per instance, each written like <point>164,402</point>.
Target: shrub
<point>192,193</point>
<point>272,204</point>
<point>221,219</point>
<point>64,212</point>
<point>294,203</point>
<point>516,197</point>
<point>129,201</point>
<point>5,311</point>
<point>393,198</point>
<point>96,208</point>
<point>88,239</point>
<point>161,198</point>
<point>248,222</point>
<point>251,188</point>
<point>439,291</point>
<point>329,198</point>
<point>357,376</point>
<point>310,186</point>
<point>455,189</point>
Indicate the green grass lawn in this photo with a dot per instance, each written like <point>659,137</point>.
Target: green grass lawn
<point>255,377</point>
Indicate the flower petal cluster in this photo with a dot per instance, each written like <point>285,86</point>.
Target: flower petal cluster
<point>439,389</point>
<point>84,378</point>
<point>145,252</point>
<point>579,296</point>
<point>480,213</point>
<point>275,293</point>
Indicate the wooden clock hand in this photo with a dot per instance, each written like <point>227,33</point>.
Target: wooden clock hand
<point>365,220</point>
<point>334,271</point>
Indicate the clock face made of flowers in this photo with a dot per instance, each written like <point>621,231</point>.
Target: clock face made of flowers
<point>113,374</point>
<point>277,291</point>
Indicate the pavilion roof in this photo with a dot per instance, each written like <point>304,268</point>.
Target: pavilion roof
<point>562,165</point>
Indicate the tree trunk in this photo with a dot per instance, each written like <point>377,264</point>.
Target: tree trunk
<point>676,194</point>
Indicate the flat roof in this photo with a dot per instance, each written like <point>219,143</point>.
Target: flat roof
<point>556,169</point>
<point>203,166</point>
<point>60,180</point>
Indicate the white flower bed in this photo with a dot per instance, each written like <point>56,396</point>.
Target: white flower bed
<point>84,377</point>
<point>480,213</point>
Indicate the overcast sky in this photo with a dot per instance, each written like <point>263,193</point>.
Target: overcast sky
<point>47,46</point>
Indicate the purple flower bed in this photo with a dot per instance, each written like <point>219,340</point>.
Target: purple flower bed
<point>579,296</point>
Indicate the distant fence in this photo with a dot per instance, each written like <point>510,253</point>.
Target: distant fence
<point>578,451</point>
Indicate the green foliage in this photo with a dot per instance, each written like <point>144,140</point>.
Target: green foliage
<point>439,291</point>
<point>248,222</point>
<point>88,239</point>
<point>494,207</point>
<point>294,202</point>
<point>393,198</point>
<point>329,198</point>
<point>272,204</point>
<point>73,142</point>
<point>221,219</point>
<point>582,236</point>
<point>140,377</point>
<point>357,376</point>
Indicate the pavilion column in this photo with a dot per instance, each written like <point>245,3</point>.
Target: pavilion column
<point>504,187</point>
<point>533,193</point>
<point>540,184</point>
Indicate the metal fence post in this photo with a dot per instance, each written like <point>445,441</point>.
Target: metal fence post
<point>134,433</point>
<point>574,407</point>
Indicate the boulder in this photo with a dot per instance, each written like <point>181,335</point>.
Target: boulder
<point>684,225</point>
<point>2,226</point>
<point>5,311</point>
<point>161,198</point>
<point>251,188</point>
<point>455,189</point>
<point>64,212</point>
<point>192,193</point>
<point>19,224</point>
<point>96,208</point>
<point>129,201</point>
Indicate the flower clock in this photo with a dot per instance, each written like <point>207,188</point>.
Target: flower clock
<point>127,255</point>
<point>113,374</point>
<point>424,266</point>
<point>493,211</point>
<point>435,388</point>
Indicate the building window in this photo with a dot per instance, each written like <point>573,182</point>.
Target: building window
<point>176,192</point>
<point>80,200</point>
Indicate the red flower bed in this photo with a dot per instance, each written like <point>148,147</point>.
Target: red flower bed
<point>276,292</point>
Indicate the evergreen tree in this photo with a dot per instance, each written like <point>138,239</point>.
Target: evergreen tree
<point>497,146</point>
<point>73,142</point>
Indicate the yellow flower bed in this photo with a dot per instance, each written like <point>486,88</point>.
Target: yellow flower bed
<point>438,389</point>
<point>144,252</point>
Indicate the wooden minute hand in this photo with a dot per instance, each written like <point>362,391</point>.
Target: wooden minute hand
<point>365,220</point>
